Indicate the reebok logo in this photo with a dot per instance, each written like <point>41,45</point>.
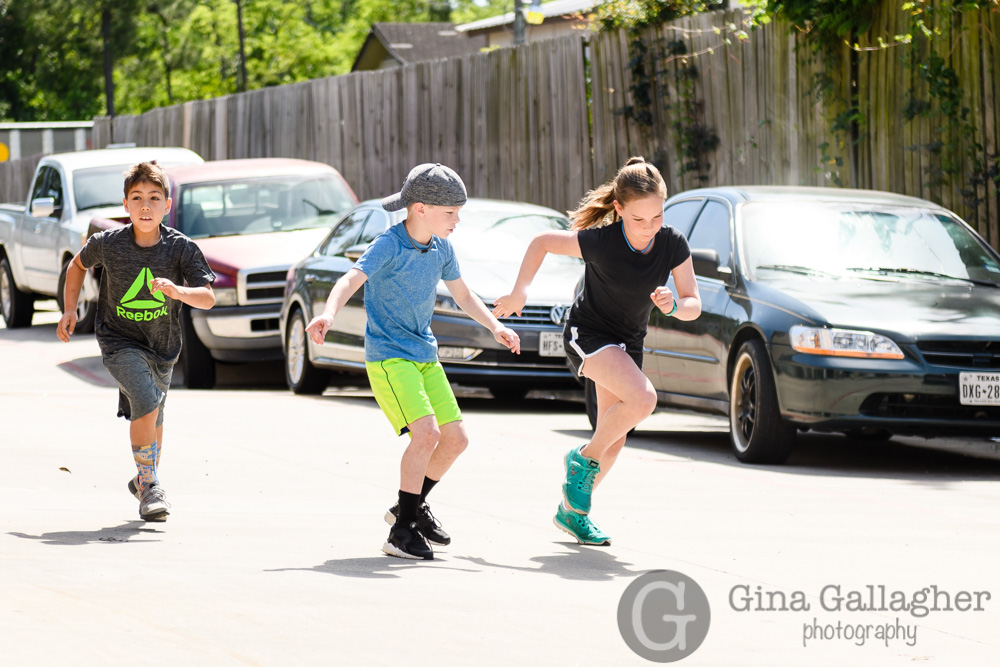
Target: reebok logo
<point>150,308</point>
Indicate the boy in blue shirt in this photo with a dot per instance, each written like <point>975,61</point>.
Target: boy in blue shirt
<point>402,268</point>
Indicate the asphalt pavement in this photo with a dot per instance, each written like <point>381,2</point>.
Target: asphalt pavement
<point>272,552</point>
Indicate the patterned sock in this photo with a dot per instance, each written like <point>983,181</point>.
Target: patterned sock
<point>428,485</point>
<point>145,462</point>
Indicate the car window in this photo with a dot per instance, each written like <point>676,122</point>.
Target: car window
<point>711,231</point>
<point>681,215</point>
<point>377,223</point>
<point>39,189</point>
<point>860,240</point>
<point>54,189</point>
<point>345,234</point>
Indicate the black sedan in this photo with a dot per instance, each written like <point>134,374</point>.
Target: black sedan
<point>489,243</point>
<point>851,311</point>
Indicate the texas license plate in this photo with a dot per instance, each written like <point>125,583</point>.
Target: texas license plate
<point>550,344</point>
<point>979,388</point>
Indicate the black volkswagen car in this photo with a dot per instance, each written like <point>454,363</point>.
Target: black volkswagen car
<point>489,242</point>
<point>851,311</point>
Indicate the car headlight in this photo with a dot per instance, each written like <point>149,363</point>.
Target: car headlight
<point>843,343</point>
<point>225,296</point>
<point>445,305</point>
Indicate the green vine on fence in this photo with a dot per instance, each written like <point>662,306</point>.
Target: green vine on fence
<point>648,63</point>
<point>936,95</point>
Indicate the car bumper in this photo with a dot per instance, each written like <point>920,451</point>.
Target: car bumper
<point>905,396</point>
<point>240,333</point>
<point>494,363</point>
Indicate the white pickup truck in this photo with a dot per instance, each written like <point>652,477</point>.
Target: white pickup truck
<point>37,240</point>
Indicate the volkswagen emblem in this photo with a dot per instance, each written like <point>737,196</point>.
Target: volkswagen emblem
<point>558,314</point>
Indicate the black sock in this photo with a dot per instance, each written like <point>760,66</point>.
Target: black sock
<point>408,504</point>
<point>428,485</point>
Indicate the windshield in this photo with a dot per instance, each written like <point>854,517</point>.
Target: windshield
<point>489,235</point>
<point>261,205</point>
<point>840,240</point>
<point>99,187</point>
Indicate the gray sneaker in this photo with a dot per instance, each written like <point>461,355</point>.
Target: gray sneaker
<point>153,505</point>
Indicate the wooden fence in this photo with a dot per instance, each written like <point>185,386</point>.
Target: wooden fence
<point>15,178</point>
<point>512,122</point>
<point>759,97</point>
<point>543,122</point>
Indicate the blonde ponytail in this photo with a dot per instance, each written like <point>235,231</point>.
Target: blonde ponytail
<point>636,179</point>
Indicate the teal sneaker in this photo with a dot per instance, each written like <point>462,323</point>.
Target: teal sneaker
<point>583,530</point>
<point>580,473</point>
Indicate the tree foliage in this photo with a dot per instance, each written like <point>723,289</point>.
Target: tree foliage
<point>171,51</point>
<point>639,14</point>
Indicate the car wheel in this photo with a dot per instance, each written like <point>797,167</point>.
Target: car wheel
<point>756,429</point>
<point>86,311</point>
<point>196,361</point>
<point>300,373</point>
<point>508,392</point>
<point>590,401</point>
<point>17,307</point>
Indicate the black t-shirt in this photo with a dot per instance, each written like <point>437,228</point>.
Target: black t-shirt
<point>129,315</point>
<point>618,281</point>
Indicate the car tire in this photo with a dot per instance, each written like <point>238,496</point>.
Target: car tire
<point>508,392</point>
<point>757,432</point>
<point>196,361</point>
<point>86,311</point>
<point>16,307</point>
<point>300,373</point>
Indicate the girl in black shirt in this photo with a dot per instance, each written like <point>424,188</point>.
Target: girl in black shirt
<point>629,257</point>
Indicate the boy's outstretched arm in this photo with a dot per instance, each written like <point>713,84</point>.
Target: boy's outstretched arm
<point>557,243</point>
<point>75,274</point>
<point>343,289</point>
<point>197,297</point>
<point>474,308</point>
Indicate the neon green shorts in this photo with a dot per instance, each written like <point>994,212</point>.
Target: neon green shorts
<point>407,390</point>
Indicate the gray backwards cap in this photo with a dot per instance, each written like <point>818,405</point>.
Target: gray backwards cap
<point>429,183</point>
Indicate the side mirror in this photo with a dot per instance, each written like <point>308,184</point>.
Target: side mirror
<point>706,264</point>
<point>43,207</point>
<point>355,251</point>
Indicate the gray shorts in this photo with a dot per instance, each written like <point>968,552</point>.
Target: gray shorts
<point>142,383</point>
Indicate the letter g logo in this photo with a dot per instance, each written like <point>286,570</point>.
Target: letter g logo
<point>664,616</point>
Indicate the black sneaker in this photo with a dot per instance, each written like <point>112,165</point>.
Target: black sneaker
<point>407,542</point>
<point>428,525</point>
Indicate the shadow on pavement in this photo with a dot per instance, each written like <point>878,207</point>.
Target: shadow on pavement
<point>111,535</point>
<point>828,455</point>
<point>376,567</point>
<point>580,564</point>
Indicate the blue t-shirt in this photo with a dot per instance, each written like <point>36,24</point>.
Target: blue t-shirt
<point>400,294</point>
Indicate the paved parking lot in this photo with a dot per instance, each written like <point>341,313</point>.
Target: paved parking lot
<point>272,553</point>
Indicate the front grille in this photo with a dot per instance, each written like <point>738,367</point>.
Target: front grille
<point>926,406</point>
<point>977,354</point>
<point>270,324</point>
<point>536,315</point>
<point>260,287</point>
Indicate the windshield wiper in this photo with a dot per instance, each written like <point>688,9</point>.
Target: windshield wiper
<point>919,272</point>
<point>795,268</point>
<point>319,211</point>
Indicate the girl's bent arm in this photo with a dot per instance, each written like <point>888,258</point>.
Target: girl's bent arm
<point>557,243</point>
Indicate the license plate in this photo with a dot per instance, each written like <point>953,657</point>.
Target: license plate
<point>979,388</point>
<point>550,344</point>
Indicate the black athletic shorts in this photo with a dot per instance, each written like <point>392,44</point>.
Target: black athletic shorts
<point>581,344</point>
